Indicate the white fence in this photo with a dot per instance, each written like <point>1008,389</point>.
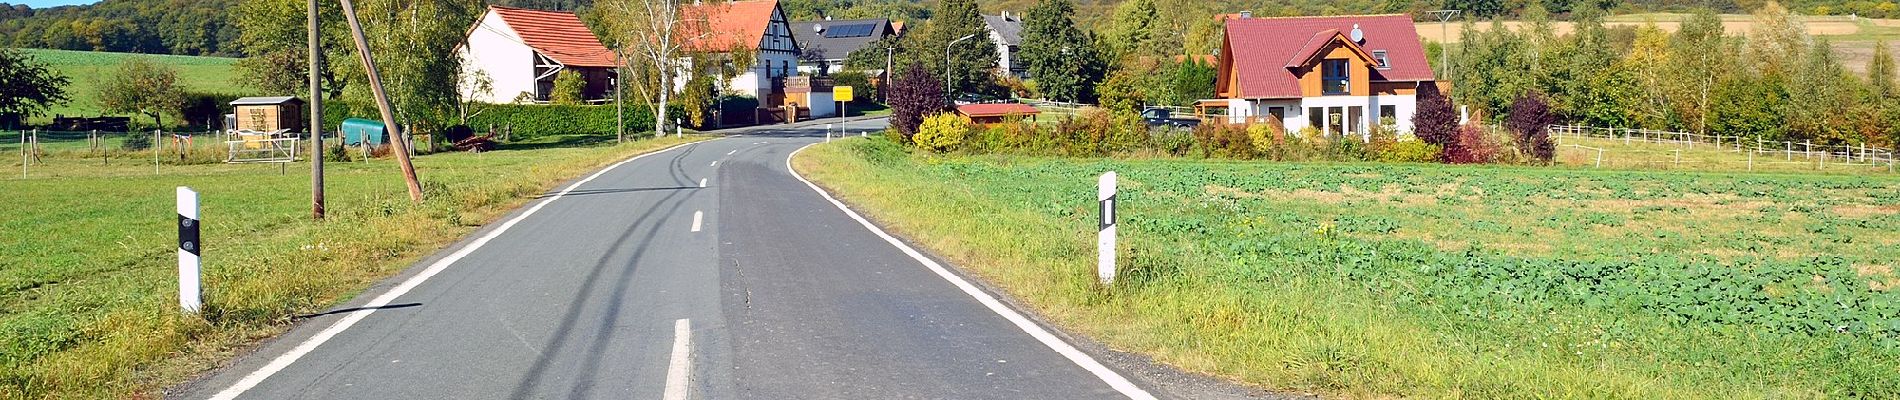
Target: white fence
<point>1787,152</point>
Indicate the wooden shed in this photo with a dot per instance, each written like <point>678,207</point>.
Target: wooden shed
<point>996,113</point>
<point>266,114</point>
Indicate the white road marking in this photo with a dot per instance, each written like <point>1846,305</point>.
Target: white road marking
<point>714,164</point>
<point>697,215</point>
<point>1109,376</point>
<point>679,372</point>
<point>702,182</point>
<point>730,152</point>
<point>284,360</point>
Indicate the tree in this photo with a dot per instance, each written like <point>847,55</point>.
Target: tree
<point>1530,122</point>
<point>1061,58</point>
<point>1193,80</point>
<point>653,36</point>
<point>698,98</point>
<point>414,43</point>
<point>140,85</point>
<point>477,84</point>
<point>568,88</point>
<point>915,94</point>
<point>1880,72</point>
<point>1699,57</point>
<point>1819,92</point>
<point>278,58</point>
<point>1138,31</point>
<point>1435,122</point>
<point>972,62</point>
<point>29,87</point>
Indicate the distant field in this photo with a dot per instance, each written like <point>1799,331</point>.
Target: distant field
<point>1429,281</point>
<point>1853,38</point>
<point>87,69</point>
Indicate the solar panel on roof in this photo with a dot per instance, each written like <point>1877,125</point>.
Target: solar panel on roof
<point>850,31</point>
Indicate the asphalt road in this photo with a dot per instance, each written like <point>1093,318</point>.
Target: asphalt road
<point>706,271</point>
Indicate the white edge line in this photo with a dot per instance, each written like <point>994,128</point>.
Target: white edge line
<point>679,371</point>
<point>284,360</point>
<point>1109,376</point>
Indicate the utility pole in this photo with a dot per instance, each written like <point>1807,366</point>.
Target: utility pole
<point>316,119</point>
<point>1444,34</point>
<point>382,103</point>
<point>888,52</point>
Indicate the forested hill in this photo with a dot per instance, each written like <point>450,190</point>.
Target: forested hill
<point>184,27</point>
<point>203,27</point>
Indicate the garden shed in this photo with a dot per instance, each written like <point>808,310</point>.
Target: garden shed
<point>984,114</point>
<point>266,114</point>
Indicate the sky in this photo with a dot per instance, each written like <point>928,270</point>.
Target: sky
<point>49,3</point>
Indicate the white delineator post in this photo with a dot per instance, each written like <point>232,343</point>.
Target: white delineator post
<point>1105,239</point>
<point>188,250</point>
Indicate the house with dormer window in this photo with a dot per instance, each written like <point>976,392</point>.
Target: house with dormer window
<point>1339,75</point>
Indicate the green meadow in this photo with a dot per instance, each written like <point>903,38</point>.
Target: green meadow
<point>1412,280</point>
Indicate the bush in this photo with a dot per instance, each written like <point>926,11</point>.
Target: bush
<point>1529,123</point>
<point>1435,122</point>
<point>864,94</point>
<point>1174,141</point>
<point>915,94</point>
<point>942,132</point>
<point>528,120</point>
<point>1472,146</point>
<point>136,140</point>
<point>1224,141</point>
<point>1411,150</point>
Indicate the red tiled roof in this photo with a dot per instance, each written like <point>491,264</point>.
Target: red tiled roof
<point>1265,50</point>
<point>997,109</point>
<point>733,24</point>
<point>557,35</point>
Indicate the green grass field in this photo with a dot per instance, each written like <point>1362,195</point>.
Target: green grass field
<point>87,69</point>
<point>1402,280</point>
<point>88,290</point>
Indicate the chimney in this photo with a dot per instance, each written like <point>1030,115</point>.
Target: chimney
<point>1246,15</point>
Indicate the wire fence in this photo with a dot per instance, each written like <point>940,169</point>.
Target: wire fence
<point>45,152</point>
<point>1649,148</point>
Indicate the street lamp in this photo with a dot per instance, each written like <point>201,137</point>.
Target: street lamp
<point>947,90</point>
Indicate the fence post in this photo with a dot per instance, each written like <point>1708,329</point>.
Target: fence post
<point>156,146</point>
<point>1788,147</point>
<point>1751,161</point>
<point>22,154</point>
<point>1807,149</point>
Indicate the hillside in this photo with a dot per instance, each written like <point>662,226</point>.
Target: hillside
<point>86,69</point>
<point>204,27</point>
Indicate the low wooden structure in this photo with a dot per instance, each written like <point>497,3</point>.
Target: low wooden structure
<point>984,114</point>
<point>266,114</point>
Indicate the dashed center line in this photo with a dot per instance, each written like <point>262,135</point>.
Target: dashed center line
<point>714,164</point>
<point>702,182</point>
<point>697,216</point>
<point>679,371</point>
<point>731,152</point>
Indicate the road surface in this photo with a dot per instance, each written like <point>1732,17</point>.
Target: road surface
<point>706,271</point>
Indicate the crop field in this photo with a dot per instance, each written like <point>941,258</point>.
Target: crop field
<point>1397,280</point>
<point>88,290</point>
<point>88,68</point>
<point>1853,39</point>
<point>1769,157</point>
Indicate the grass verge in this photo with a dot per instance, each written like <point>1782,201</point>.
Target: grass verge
<point>1380,280</point>
<point>88,290</point>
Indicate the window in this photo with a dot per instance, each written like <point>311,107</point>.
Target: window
<point>1379,57</point>
<point>1278,113</point>
<point>1388,111</point>
<point>1316,117</point>
<point>1354,116</point>
<point>1333,77</point>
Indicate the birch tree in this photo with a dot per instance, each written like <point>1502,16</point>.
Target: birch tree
<point>655,38</point>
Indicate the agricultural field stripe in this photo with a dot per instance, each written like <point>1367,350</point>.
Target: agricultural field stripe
<point>284,360</point>
<point>1113,379</point>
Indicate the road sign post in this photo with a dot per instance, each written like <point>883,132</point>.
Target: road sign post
<point>189,248</point>
<point>1105,238</point>
<point>842,94</point>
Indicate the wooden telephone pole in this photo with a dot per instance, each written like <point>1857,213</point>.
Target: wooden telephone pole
<point>382,104</point>
<point>316,119</point>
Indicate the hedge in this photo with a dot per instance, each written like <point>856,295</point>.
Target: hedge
<point>528,120</point>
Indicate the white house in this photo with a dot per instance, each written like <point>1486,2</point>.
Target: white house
<point>1339,75</point>
<point>1007,33</point>
<point>523,50</point>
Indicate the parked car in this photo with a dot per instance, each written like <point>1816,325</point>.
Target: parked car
<point>1157,117</point>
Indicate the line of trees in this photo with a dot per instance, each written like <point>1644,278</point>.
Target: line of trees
<point>1777,83</point>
